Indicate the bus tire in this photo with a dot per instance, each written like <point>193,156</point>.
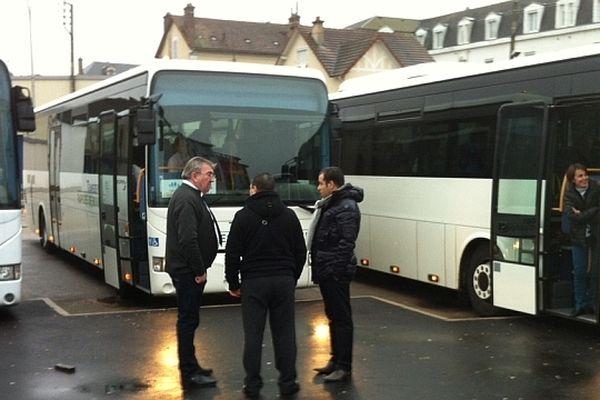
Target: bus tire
<point>44,237</point>
<point>479,282</point>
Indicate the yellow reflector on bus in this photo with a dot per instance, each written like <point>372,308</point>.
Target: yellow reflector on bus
<point>364,262</point>
<point>433,278</point>
<point>128,277</point>
<point>395,269</point>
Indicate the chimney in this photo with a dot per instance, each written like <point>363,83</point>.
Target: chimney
<point>188,11</point>
<point>80,65</point>
<point>188,21</point>
<point>294,20</point>
<point>317,32</point>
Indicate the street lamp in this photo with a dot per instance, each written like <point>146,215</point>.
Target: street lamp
<point>68,7</point>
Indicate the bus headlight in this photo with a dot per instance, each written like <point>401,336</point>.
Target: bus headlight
<point>10,272</point>
<point>158,264</point>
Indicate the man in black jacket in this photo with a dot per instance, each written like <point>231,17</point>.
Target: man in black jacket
<point>331,241</point>
<point>266,247</point>
<point>192,241</point>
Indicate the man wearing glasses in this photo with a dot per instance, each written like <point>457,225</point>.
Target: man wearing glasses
<point>192,242</point>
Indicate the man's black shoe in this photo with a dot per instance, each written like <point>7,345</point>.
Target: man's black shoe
<point>326,370</point>
<point>204,371</point>
<point>289,390</point>
<point>251,393</point>
<point>338,375</point>
<point>199,380</point>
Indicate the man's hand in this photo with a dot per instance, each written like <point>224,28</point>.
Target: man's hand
<point>236,293</point>
<point>200,279</point>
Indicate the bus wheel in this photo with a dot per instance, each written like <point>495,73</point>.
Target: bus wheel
<point>479,282</point>
<point>44,239</point>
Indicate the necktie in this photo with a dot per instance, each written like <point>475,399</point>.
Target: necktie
<point>214,220</point>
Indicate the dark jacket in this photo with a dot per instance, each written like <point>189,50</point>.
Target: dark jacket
<point>588,205</point>
<point>332,248</point>
<point>191,239</point>
<point>265,239</point>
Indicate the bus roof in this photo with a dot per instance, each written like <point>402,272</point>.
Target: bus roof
<point>156,65</point>
<point>432,72</point>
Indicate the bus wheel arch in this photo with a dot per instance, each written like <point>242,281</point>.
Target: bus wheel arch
<point>477,278</point>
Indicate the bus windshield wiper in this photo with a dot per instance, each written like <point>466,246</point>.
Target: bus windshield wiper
<point>303,206</point>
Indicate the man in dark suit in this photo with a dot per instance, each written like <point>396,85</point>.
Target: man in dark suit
<point>192,242</point>
<point>266,247</point>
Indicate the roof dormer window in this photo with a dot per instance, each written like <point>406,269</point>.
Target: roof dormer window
<point>247,41</point>
<point>465,26</point>
<point>532,18</point>
<point>439,34</point>
<point>421,35</point>
<point>566,13</point>
<point>492,25</point>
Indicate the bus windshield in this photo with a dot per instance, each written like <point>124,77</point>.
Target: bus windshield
<point>246,124</point>
<point>9,192</point>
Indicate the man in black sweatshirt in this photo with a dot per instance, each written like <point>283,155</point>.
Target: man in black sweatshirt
<point>266,247</point>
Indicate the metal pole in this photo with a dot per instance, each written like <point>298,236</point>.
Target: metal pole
<point>32,77</point>
<point>72,53</point>
<point>513,31</point>
<point>70,32</point>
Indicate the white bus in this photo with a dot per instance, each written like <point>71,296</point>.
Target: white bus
<point>462,167</point>
<point>97,173</point>
<point>16,114</point>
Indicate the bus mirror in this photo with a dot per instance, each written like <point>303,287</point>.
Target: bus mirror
<point>144,126</point>
<point>23,114</point>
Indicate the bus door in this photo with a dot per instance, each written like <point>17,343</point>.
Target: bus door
<point>54,180</point>
<point>126,177</point>
<point>517,194</point>
<point>107,195</point>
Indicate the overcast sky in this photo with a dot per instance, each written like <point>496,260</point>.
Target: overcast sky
<point>129,31</point>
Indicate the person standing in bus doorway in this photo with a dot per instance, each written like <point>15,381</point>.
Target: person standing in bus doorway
<point>266,247</point>
<point>582,203</point>
<point>192,241</point>
<point>331,241</point>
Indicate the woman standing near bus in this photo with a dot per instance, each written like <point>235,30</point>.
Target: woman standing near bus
<point>582,202</point>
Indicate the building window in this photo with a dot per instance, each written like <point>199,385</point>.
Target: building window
<point>566,13</point>
<point>439,33</point>
<point>421,35</point>
<point>532,18</point>
<point>492,24</point>
<point>302,57</point>
<point>465,26</point>
<point>596,10</point>
<point>174,48</point>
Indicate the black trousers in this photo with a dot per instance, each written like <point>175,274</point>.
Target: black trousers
<point>189,300</point>
<point>336,298</point>
<point>273,296</point>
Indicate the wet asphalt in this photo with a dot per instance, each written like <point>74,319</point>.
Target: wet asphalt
<point>106,349</point>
